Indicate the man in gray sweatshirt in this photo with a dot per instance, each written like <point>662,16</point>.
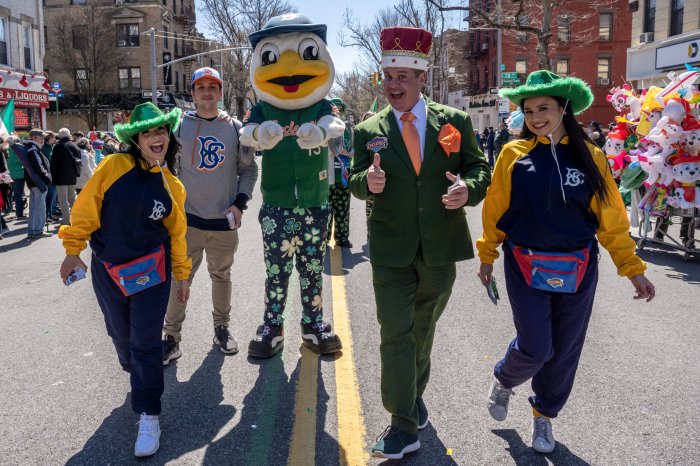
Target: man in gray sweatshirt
<point>219,176</point>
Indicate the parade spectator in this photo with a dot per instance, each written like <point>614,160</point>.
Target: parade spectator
<point>97,146</point>
<point>16,170</point>
<point>66,166</point>
<point>477,136</point>
<point>51,200</point>
<point>37,172</point>
<point>132,213</point>
<point>219,177</point>
<point>418,228</point>
<point>5,178</point>
<point>491,146</point>
<point>340,151</point>
<point>597,134</point>
<point>501,139</point>
<point>87,157</point>
<point>553,191</point>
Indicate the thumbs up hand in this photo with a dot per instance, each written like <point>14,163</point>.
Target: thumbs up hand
<point>375,176</point>
<point>457,194</point>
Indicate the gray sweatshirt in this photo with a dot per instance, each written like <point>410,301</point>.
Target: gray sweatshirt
<point>214,169</point>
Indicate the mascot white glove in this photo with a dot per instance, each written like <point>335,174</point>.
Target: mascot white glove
<point>261,137</point>
<point>310,136</point>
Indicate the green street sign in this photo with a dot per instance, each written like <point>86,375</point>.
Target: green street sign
<point>509,75</point>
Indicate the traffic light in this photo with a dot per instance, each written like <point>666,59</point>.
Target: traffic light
<point>379,78</point>
<point>375,79</point>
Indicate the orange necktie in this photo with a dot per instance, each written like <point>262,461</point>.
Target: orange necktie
<point>411,139</point>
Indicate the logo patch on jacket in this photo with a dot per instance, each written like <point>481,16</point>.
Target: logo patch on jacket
<point>573,177</point>
<point>377,144</point>
<point>555,282</point>
<point>158,210</point>
<point>209,153</point>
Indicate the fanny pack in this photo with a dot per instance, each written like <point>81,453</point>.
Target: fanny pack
<point>139,274</point>
<point>561,272</point>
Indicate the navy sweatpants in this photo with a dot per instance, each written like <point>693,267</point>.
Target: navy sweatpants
<point>550,328</point>
<point>135,324</point>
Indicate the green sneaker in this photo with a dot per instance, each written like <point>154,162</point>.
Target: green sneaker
<point>393,444</point>
<point>422,414</point>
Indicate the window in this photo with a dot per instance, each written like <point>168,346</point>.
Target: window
<point>521,66</point>
<point>46,35</point>
<point>4,59</point>
<point>563,29</point>
<point>522,37</point>
<point>649,15</point>
<point>80,38</point>
<point>174,7</point>
<point>677,7</point>
<point>604,70</point>
<point>81,76</point>
<point>494,75</point>
<point>129,78</point>
<point>77,2</point>
<point>165,38</point>
<point>562,66</point>
<point>127,35</point>
<point>605,25</point>
<point>177,81</point>
<point>27,46</point>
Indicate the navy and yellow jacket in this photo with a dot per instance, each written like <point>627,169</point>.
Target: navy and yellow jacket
<point>125,213</point>
<point>529,203</point>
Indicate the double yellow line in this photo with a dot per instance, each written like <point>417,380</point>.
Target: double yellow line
<point>351,425</point>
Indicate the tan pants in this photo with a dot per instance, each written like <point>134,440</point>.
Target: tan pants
<point>219,247</point>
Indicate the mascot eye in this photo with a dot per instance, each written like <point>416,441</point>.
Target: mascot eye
<point>269,54</point>
<point>308,49</point>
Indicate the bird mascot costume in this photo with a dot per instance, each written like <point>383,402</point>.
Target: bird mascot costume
<point>291,72</point>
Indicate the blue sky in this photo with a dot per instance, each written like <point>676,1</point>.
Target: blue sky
<point>330,12</point>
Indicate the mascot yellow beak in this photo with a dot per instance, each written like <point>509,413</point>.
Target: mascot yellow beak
<point>292,77</point>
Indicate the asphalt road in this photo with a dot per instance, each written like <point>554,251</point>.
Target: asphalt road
<point>65,400</point>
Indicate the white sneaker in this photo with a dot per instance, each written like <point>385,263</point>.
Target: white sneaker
<point>542,436</point>
<point>498,400</point>
<point>148,440</point>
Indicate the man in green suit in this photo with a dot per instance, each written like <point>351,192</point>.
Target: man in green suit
<point>422,163</point>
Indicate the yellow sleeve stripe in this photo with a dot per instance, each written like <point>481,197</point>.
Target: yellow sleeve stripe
<point>176,223</point>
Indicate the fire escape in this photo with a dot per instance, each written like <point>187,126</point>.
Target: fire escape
<point>187,19</point>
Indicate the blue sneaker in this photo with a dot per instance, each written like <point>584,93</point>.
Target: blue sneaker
<point>393,444</point>
<point>422,414</point>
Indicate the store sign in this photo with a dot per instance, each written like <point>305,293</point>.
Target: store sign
<point>503,106</point>
<point>678,54</point>
<point>25,98</point>
<point>21,118</point>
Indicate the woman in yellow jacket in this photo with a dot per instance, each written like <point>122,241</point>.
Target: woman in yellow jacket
<point>552,198</point>
<point>132,212</point>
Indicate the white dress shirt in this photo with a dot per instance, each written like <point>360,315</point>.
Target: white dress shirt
<point>420,111</point>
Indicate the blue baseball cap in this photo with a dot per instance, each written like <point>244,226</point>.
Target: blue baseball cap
<point>290,22</point>
<point>206,72</point>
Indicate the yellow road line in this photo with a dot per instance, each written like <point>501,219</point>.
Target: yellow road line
<point>351,424</point>
<point>302,450</point>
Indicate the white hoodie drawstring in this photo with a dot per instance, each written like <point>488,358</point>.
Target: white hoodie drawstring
<point>554,152</point>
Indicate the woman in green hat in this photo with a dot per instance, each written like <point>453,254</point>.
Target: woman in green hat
<point>552,199</point>
<point>132,213</point>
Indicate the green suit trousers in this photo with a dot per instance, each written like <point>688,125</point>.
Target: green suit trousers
<point>409,302</point>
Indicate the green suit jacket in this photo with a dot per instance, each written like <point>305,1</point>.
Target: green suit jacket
<point>409,213</point>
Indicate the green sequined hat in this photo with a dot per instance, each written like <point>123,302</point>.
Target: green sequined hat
<point>144,117</point>
<point>545,83</point>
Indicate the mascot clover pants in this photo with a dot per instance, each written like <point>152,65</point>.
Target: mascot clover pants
<point>550,328</point>
<point>294,237</point>
<point>339,198</point>
<point>410,301</point>
<point>135,324</point>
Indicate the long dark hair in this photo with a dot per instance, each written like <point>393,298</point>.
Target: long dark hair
<point>170,154</point>
<point>578,139</point>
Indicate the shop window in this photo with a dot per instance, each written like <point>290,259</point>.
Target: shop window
<point>562,66</point>
<point>129,78</point>
<point>563,29</point>
<point>677,7</point>
<point>4,59</point>
<point>127,35</point>
<point>605,26</point>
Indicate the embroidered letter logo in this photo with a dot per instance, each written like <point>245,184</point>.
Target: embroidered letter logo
<point>209,156</point>
<point>573,177</point>
<point>158,210</point>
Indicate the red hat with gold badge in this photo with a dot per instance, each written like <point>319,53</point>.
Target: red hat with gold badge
<point>405,47</point>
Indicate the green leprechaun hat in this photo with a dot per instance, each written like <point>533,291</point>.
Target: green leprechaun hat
<point>144,117</point>
<point>545,83</point>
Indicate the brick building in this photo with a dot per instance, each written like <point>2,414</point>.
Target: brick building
<point>128,82</point>
<point>589,40</point>
<point>22,62</point>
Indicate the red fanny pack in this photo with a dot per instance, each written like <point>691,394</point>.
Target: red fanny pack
<point>560,272</point>
<point>139,274</point>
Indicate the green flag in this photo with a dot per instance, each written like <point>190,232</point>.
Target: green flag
<point>373,107</point>
<point>7,118</point>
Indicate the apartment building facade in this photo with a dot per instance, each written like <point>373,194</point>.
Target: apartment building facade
<point>126,82</point>
<point>21,62</point>
<point>665,36</point>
